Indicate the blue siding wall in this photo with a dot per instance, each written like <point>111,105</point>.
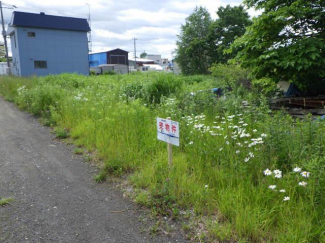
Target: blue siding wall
<point>97,59</point>
<point>64,51</point>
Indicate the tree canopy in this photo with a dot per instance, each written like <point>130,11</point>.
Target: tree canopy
<point>143,54</point>
<point>231,24</point>
<point>286,42</point>
<point>192,52</point>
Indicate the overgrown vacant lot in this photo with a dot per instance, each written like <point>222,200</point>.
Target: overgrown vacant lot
<point>254,175</point>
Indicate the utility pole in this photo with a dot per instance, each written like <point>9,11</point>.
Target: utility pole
<point>89,34</point>
<point>135,52</point>
<point>4,34</point>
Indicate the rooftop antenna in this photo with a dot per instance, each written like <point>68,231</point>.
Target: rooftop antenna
<point>89,33</point>
<point>4,34</point>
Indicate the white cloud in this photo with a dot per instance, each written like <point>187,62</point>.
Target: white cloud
<point>154,23</point>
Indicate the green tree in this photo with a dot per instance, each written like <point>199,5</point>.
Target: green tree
<point>143,54</point>
<point>2,53</point>
<point>192,53</point>
<point>231,24</point>
<point>286,42</point>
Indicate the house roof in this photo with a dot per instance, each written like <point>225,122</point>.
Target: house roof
<point>97,52</point>
<point>49,21</point>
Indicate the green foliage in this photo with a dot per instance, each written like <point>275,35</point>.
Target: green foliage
<point>265,86</point>
<point>5,201</point>
<point>143,54</point>
<point>61,133</point>
<point>232,76</point>
<point>109,73</point>
<point>286,42</point>
<point>163,86</point>
<point>231,24</point>
<point>192,52</point>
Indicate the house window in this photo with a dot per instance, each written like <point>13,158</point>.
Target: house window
<point>40,64</point>
<point>31,34</point>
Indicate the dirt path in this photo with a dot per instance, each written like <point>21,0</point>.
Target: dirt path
<point>56,199</point>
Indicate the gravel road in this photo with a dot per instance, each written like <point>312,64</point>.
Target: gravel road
<point>55,197</point>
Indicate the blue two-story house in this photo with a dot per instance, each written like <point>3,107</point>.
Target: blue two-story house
<point>45,44</point>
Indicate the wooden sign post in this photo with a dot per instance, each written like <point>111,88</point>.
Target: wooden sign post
<point>168,131</point>
<point>170,152</point>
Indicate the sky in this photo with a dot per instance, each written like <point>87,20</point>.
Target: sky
<point>114,23</point>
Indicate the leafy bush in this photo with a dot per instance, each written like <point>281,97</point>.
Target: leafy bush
<point>162,85</point>
<point>231,75</point>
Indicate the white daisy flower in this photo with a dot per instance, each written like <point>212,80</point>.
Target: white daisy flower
<point>272,187</point>
<point>286,199</point>
<point>296,169</point>
<point>282,190</point>
<point>302,183</point>
<point>267,172</point>
<point>305,174</point>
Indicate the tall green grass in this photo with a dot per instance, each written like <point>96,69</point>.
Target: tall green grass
<point>219,168</point>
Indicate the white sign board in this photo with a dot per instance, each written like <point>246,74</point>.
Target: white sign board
<point>168,131</point>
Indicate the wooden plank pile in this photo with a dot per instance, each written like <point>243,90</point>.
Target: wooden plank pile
<point>300,106</point>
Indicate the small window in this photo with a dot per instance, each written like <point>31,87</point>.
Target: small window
<point>40,64</point>
<point>31,34</point>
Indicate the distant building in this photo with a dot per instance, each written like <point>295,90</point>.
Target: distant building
<point>110,58</point>
<point>45,44</point>
<point>138,64</point>
<point>155,58</point>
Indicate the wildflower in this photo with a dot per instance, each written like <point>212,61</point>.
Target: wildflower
<point>277,173</point>
<point>190,143</point>
<point>272,187</point>
<point>254,130</point>
<point>246,159</point>
<point>296,169</point>
<point>206,186</point>
<point>302,183</point>
<point>251,155</point>
<point>282,190</point>
<point>227,142</point>
<point>263,135</point>
<point>237,151</point>
<point>286,199</point>
<point>241,122</point>
<point>267,172</point>
<point>305,174</point>
<point>245,124</point>
<point>220,149</point>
